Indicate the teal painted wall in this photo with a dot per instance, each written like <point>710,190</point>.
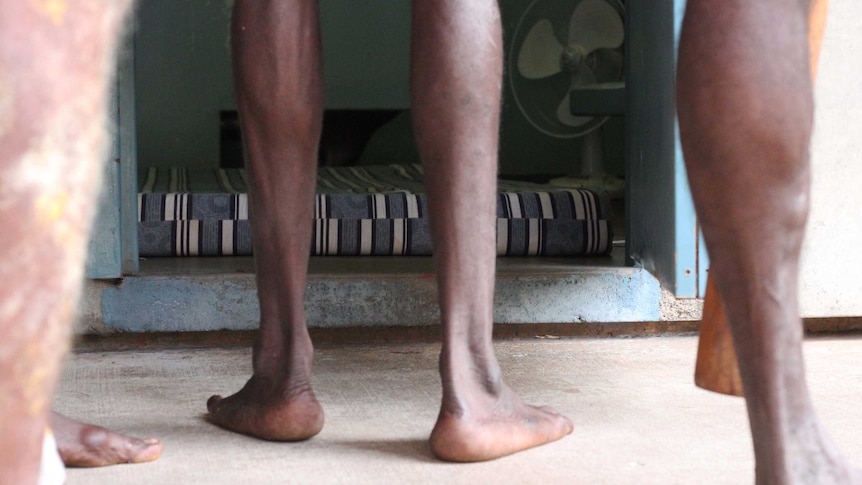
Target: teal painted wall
<point>183,71</point>
<point>183,81</point>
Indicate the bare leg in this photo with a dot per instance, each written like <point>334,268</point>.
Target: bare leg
<point>277,71</point>
<point>456,78</point>
<point>55,61</point>
<point>88,445</point>
<point>745,109</point>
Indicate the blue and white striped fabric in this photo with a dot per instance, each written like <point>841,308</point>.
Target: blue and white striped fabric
<point>361,211</point>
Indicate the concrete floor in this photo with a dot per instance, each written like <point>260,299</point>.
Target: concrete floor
<point>638,417</point>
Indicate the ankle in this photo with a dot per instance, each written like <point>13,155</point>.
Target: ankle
<point>470,373</point>
<point>276,355</point>
<point>802,453</point>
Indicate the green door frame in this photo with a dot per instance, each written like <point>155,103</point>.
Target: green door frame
<point>113,250</point>
<point>662,230</point>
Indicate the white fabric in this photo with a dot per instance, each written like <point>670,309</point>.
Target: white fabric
<point>52,471</point>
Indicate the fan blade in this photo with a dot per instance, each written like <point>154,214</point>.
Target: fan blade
<point>595,24</point>
<point>584,77</point>
<point>540,54</point>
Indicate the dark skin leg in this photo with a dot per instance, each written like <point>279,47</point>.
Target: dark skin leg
<point>54,61</point>
<point>278,79</point>
<point>277,57</point>
<point>745,111</point>
<point>456,109</point>
<point>87,445</point>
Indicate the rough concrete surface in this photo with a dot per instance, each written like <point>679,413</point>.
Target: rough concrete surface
<point>672,308</point>
<point>638,417</point>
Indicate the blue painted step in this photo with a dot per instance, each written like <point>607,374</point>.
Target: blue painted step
<point>196,294</point>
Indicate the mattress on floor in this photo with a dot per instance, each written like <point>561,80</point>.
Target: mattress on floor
<point>370,210</point>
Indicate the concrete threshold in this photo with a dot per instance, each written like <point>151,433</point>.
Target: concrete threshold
<point>206,294</point>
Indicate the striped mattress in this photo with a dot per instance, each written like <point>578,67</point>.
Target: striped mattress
<point>370,210</point>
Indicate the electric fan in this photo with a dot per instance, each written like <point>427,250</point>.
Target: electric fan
<point>561,47</point>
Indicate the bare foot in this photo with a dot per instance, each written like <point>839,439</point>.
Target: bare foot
<point>828,471</point>
<point>809,457</point>
<point>268,411</point>
<point>501,428</point>
<point>87,445</point>
<point>843,474</point>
